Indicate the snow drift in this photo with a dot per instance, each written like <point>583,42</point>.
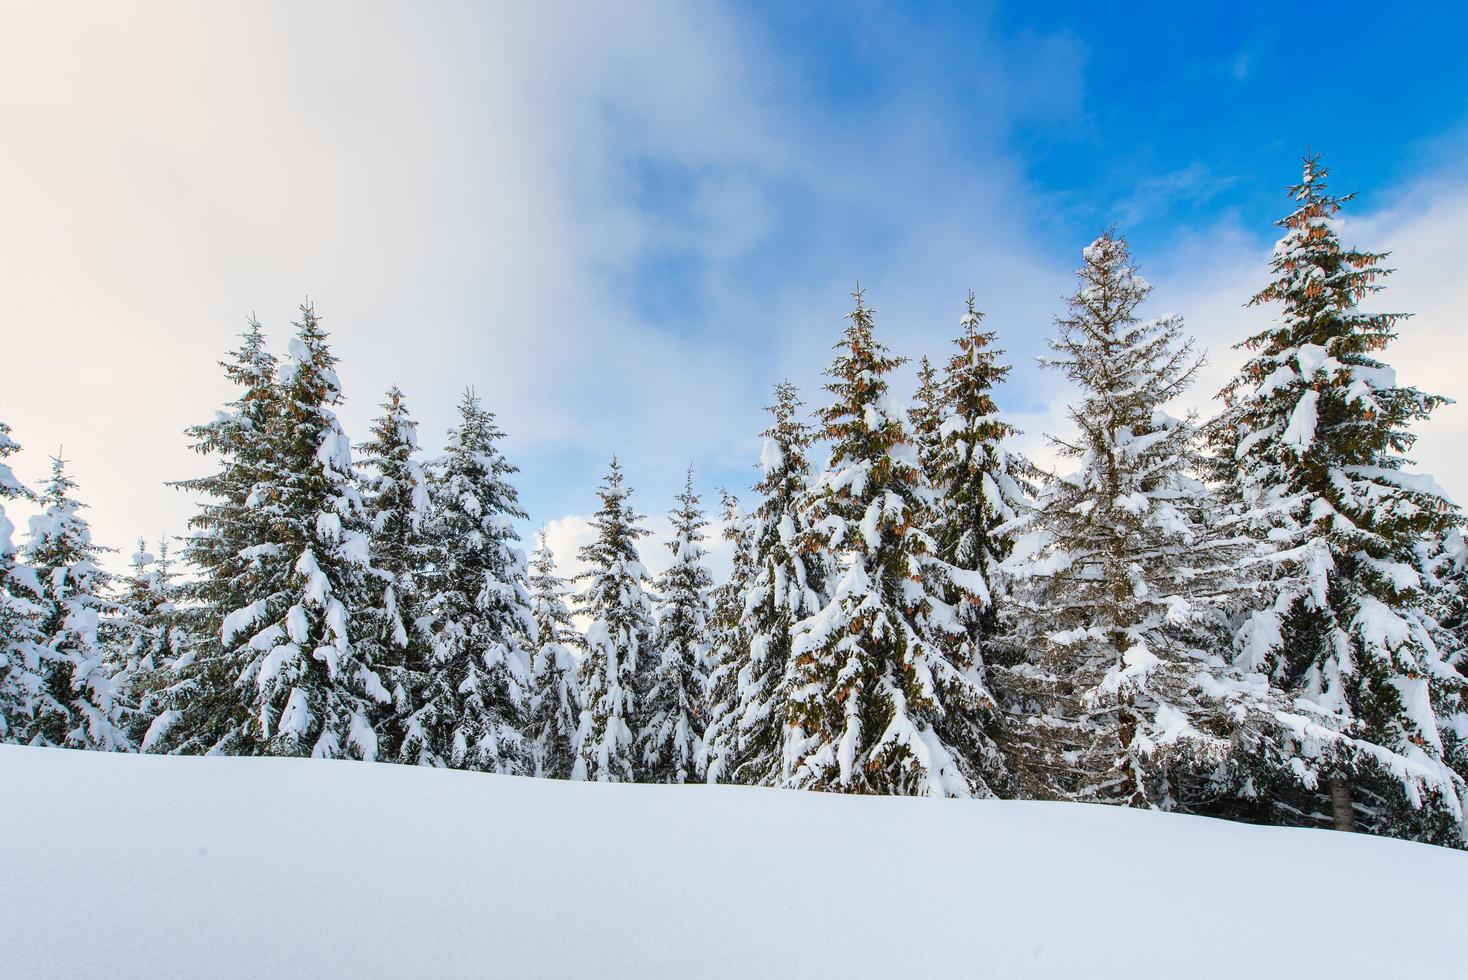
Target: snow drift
<point>132,866</point>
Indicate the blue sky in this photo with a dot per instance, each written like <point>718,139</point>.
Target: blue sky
<point>622,224</point>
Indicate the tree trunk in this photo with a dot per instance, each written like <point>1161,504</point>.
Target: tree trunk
<point>1342,811</point>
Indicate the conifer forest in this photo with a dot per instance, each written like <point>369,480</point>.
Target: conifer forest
<point>1260,616</point>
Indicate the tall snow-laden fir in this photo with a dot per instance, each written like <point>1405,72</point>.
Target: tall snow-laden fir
<point>887,695</point>
<point>152,637</point>
<point>1124,586</point>
<point>391,619</point>
<point>1312,447</point>
<point>229,549</point>
<point>620,638</point>
<point>306,688</point>
<point>781,580</point>
<point>79,704</point>
<point>21,682</point>
<point>481,626</point>
<point>728,646</point>
<point>555,710</point>
<point>983,486</point>
<point>673,709</point>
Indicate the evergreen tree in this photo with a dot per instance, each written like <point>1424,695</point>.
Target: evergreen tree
<point>556,705</point>
<point>782,581</point>
<point>480,621</point>
<point>1312,450</point>
<point>1125,586</point>
<point>305,687</point>
<point>887,696</point>
<point>234,553</point>
<point>620,640</point>
<point>983,487</point>
<point>21,681</point>
<point>392,618</point>
<point>153,639</point>
<point>78,705</point>
<point>926,415</point>
<point>674,707</point>
<point>728,648</point>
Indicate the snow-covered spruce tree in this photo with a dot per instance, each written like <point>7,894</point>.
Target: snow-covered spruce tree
<point>78,705</point>
<point>21,681</point>
<point>555,710</point>
<point>728,647</point>
<point>983,487</point>
<point>620,640</point>
<point>151,636</point>
<point>235,557</point>
<point>674,707</point>
<point>390,620</point>
<point>1311,446</point>
<point>1123,585</point>
<point>480,623</point>
<point>308,689</point>
<point>785,581</point>
<point>926,414</point>
<point>886,692</point>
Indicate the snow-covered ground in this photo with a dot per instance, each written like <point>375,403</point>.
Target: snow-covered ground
<point>141,866</point>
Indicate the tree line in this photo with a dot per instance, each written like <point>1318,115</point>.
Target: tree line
<point>1259,615</point>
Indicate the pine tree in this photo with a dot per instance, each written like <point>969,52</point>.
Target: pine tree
<point>78,706</point>
<point>1125,587</point>
<point>481,624</point>
<point>21,681</point>
<point>983,487</point>
<point>782,580</point>
<point>1312,449</point>
<point>620,640</point>
<point>392,617</point>
<point>673,709</point>
<point>887,696</point>
<point>232,551</point>
<point>152,636</point>
<point>556,704</point>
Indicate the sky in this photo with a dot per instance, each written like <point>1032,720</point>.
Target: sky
<point>622,224</point>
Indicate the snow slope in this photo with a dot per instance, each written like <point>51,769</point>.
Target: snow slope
<point>160,867</point>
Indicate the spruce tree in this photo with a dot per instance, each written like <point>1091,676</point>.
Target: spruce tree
<point>782,580</point>
<point>301,686</point>
<point>673,710</point>
<point>480,621</point>
<point>728,648</point>
<point>556,703</point>
<point>620,638</point>
<point>152,637</point>
<point>926,415</point>
<point>1125,586</point>
<point>79,705</point>
<point>391,621</point>
<point>1311,448</point>
<point>887,696</point>
<point>232,550</point>
<point>984,488</point>
<point>21,681</point>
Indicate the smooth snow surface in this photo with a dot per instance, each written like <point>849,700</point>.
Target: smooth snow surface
<point>147,866</point>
